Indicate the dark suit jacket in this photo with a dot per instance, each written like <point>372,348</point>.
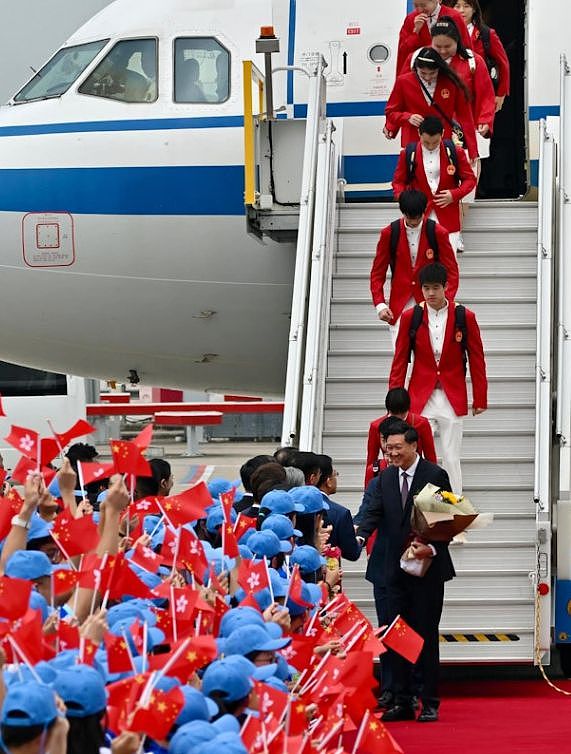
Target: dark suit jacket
<point>343,533</point>
<point>386,514</point>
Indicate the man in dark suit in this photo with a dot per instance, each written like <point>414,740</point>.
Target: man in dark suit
<point>338,517</point>
<point>418,600</point>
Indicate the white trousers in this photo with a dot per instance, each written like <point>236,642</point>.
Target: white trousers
<point>442,416</point>
<point>394,329</point>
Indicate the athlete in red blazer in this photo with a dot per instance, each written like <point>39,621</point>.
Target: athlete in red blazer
<point>415,31</point>
<point>449,372</point>
<point>405,283</point>
<point>408,100</point>
<point>449,215</point>
<point>425,446</point>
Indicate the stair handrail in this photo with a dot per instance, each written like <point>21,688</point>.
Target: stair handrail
<point>251,76</point>
<point>311,421</point>
<point>315,126</point>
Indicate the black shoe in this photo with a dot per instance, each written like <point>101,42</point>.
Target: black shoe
<point>386,700</point>
<point>398,712</point>
<point>428,715</point>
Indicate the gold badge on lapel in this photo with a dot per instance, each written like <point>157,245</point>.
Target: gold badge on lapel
<point>451,169</point>
<point>445,93</point>
<point>429,254</point>
<point>458,336</point>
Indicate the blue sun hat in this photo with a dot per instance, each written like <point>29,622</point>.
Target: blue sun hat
<point>267,544</point>
<point>28,704</point>
<point>239,616</point>
<point>191,735</point>
<point>29,565</point>
<point>226,678</point>
<point>307,558</point>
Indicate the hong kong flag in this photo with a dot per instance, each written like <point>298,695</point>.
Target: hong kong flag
<point>300,652</point>
<point>146,558</point>
<point>27,466</point>
<point>26,441</point>
<point>96,472</point>
<point>253,577</point>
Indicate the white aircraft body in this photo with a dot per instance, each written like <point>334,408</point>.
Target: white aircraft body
<point>124,244</point>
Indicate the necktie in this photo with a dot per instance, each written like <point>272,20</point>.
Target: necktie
<point>404,489</point>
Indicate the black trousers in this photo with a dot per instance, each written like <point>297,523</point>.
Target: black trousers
<point>419,601</point>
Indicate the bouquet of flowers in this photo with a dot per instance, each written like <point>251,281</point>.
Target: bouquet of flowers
<point>439,516</point>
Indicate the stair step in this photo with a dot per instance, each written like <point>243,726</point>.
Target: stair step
<point>359,259</point>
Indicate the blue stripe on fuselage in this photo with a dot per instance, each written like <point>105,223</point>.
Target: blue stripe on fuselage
<point>184,190</point>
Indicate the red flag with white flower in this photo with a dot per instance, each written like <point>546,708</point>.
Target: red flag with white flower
<point>146,558</point>
<point>253,577</point>
<point>26,441</point>
<point>96,472</point>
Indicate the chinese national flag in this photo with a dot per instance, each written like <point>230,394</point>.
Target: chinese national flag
<point>76,535</point>
<point>14,597</point>
<point>229,541</point>
<point>146,558</point>
<point>253,577</point>
<point>79,429</point>
<point>200,652</point>
<point>64,581</point>
<point>243,524</point>
<point>403,640</point>
<point>128,459</point>
<point>118,658</point>
<point>96,472</point>
<point>347,614</point>
<point>188,506</point>
<point>157,719</point>
<point>144,438</point>
<point>300,652</point>
<point>295,588</point>
<point>376,739</point>
<point>87,651</point>
<point>68,636</point>
<point>125,581</point>
<point>10,506</point>
<point>227,501</point>
<point>26,441</point>
<point>27,633</point>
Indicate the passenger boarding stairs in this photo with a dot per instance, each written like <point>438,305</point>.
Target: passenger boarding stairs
<point>489,608</point>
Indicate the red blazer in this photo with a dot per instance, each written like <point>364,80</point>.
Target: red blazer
<point>481,88</point>
<point>450,370</point>
<point>407,98</point>
<point>448,216</point>
<point>409,41</point>
<point>425,441</point>
<point>498,55</point>
<point>405,282</point>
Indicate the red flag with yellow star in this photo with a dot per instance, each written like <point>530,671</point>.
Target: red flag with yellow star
<point>14,597</point>
<point>200,652</point>
<point>229,541</point>
<point>75,536</point>
<point>64,581</point>
<point>156,719</point>
<point>403,640</point>
<point>188,506</point>
<point>374,738</point>
<point>118,657</point>
<point>79,429</point>
<point>10,506</point>
<point>243,524</point>
<point>128,459</point>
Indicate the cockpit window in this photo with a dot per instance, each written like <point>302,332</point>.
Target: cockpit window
<point>127,73</point>
<point>59,73</point>
<point>201,70</point>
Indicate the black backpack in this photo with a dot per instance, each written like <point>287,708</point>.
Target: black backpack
<point>459,326</point>
<point>395,235</point>
<point>490,62</point>
<point>410,155</point>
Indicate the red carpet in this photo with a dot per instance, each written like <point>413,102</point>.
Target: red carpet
<point>493,717</point>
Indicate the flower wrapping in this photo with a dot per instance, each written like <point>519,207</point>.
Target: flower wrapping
<point>438,515</point>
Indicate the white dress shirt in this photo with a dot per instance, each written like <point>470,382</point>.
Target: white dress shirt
<point>430,89</point>
<point>433,17</point>
<point>413,238</point>
<point>431,162</point>
<point>437,319</point>
<point>410,472</point>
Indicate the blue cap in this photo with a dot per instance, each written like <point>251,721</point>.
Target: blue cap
<point>55,491</point>
<point>307,595</point>
<point>310,498</point>
<point>39,529</point>
<point>281,526</point>
<point>23,673</point>
<point>190,735</point>
<point>267,544</point>
<point>245,552</point>
<point>239,616</point>
<point>39,602</point>
<point>226,678</point>
<point>246,536</point>
<point>154,635</point>
<point>280,501</point>
<point>27,704</point>
<point>218,485</point>
<point>82,689</point>
<point>137,608</point>
<point>150,526</point>
<point>252,638</point>
<point>229,743</point>
<point>278,684</point>
<point>29,565</point>
<point>250,670</point>
<point>196,706</point>
<point>226,724</point>
<point>215,518</point>
<point>307,558</point>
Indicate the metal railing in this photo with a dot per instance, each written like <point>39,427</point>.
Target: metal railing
<point>315,127</point>
<point>252,77</point>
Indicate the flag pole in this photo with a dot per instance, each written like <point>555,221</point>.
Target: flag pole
<point>361,731</point>
<point>16,647</point>
<point>62,548</point>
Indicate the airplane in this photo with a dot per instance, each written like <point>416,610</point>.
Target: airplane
<point>125,252</point>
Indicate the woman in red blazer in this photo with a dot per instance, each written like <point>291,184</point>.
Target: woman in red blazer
<point>471,12</point>
<point>472,69</point>
<point>415,31</point>
<point>408,104</point>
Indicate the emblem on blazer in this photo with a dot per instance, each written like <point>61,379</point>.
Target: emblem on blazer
<point>429,254</point>
<point>458,336</point>
<point>451,169</point>
<point>445,93</point>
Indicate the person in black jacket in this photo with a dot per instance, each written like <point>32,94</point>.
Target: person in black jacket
<point>343,531</point>
<point>418,600</point>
